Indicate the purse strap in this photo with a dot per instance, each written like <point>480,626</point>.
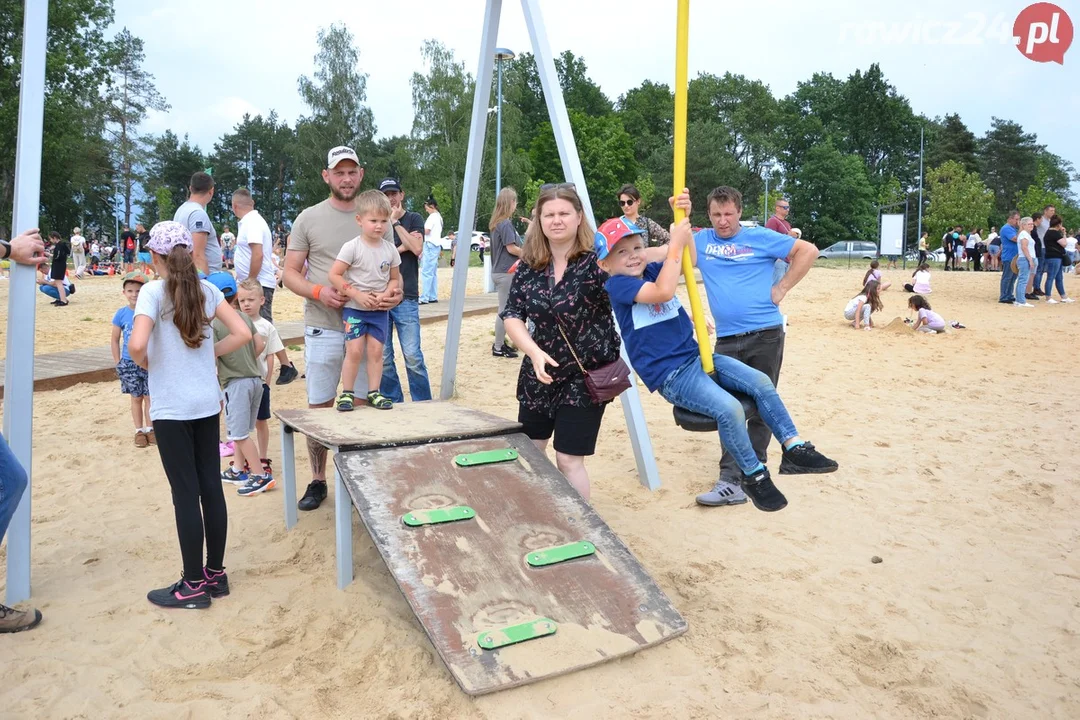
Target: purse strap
<point>570,345</point>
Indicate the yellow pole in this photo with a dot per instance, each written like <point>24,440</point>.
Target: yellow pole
<point>682,44</point>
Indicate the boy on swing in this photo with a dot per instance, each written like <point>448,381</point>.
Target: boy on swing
<point>659,339</point>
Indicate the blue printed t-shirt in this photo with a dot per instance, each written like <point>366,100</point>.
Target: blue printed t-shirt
<point>738,274</point>
<point>125,320</point>
<point>1009,250</point>
<point>659,337</point>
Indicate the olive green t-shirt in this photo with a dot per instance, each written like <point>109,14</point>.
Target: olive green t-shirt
<point>321,231</point>
<point>241,363</point>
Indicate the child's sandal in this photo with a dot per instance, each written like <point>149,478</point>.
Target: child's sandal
<point>345,402</point>
<point>379,401</point>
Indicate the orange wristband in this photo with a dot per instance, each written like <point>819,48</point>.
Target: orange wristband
<point>316,291</point>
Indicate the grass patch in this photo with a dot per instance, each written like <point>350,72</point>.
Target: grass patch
<point>88,319</point>
<point>295,348</point>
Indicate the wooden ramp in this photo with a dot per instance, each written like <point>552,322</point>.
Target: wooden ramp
<point>468,578</point>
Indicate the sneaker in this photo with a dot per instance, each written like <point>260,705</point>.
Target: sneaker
<point>762,492</point>
<point>267,468</point>
<point>151,436</point>
<point>723,493</point>
<point>957,325</point>
<point>509,352</point>
<point>316,493</point>
<point>141,440</point>
<point>1031,296</point>
<point>217,583</point>
<point>255,485</point>
<point>1023,304</point>
<point>13,621</point>
<point>344,402</point>
<point>230,475</point>
<point>225,449</point>
<point>1067,300</point>
<point>193,596</point>
<point>1051,301</point>
<point>287,374</point>
<point>497,352</point>
<point>806,460</point>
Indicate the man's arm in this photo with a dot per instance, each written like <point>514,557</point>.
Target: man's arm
<point>198,251</point>
<point>410,241</point>
<point>296,282</point>
<point>256,260</point>
<point>800,260</point>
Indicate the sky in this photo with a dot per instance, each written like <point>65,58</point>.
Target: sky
<point>215,60</point>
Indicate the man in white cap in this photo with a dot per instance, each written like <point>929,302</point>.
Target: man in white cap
<point>317,237</point>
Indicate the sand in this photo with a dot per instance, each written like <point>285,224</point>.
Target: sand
<point>955,469</point>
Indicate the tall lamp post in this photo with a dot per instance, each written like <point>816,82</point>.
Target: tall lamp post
<point>767,167</point>
<point>500,55</point>
<point>921,148</point>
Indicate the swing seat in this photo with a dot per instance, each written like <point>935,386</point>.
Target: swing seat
<point>696,422</point>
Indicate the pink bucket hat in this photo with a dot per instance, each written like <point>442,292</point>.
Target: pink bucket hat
<point>166,235</point>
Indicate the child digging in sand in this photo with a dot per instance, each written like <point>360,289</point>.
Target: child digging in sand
<point>366,271</point>
<point>133,379</point>
<point>860,309</point>
<point>927,320</point>
<point>659,339</point>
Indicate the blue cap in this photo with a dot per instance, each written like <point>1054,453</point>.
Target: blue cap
<point>224,282</point>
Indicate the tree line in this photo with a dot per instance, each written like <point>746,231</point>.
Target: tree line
<point>839,149</point>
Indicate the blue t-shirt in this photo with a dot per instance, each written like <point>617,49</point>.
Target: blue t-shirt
<point>125,320</point>
<point>738,275</point>
<point>659,337</point>
<point>1009,250</point>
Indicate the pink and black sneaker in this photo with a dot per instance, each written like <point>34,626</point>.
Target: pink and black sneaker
<point>217,582</point>
<point>184,594</point>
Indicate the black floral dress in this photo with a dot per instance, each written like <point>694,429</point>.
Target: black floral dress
<point>581,304</point>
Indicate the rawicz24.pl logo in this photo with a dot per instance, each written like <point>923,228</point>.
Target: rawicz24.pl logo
<point>1043,32</point>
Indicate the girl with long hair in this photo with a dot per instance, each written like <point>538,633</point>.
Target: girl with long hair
<point>505,251</point>
<point>861,308</point>
<point>172,339</point>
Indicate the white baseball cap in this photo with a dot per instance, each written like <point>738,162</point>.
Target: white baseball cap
<point>341,152</point>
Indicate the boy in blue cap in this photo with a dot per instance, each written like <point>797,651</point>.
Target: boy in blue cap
<point>659,339</point>
<point>238,373</point>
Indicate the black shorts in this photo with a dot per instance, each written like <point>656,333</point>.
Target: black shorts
<point>575,428</point>
<point>264,404</point>
<point>129,256</point>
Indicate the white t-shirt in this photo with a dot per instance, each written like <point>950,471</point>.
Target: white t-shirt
<point>853,304</point>
<point>991,237</point>
<point>433,229</point>
<point>227,239</point>
<point>253,230</point>
<point>922,282</point>
<point>273,341</point>
<point>183,381</point>
<point>972,239</point>
<point>1024,239</point>
<point>95,249</point>
<point>78,244</point>
<point>1070,244</point>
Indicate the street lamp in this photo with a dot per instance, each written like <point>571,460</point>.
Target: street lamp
<point>500,55</point>
<point>767,167</point>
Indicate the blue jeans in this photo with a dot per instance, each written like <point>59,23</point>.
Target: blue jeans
<point>1040,270</point>
<point>780,268</point>
<point>1008,279</point>
<point>1054,276</point>
<point>1022,276</point>
<point>12,485</point>
<point>689,387</point>
<point>429,272</point>
<point>406,318</point>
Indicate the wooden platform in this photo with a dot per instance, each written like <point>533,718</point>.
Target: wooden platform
<point>469,577</point>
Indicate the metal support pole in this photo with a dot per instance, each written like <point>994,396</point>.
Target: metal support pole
<point>498,136</point>
<point>19,364</point>
<point>765,210</point>
<point>922,132</point>
<point>467,216</point>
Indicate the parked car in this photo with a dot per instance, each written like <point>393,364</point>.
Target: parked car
<point>850,249</point>
<point>932,255</point>
<point>478,238</point>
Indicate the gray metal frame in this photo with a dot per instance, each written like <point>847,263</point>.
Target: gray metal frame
<point>564,138</point>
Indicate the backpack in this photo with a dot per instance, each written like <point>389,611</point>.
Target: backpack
<point>130,244</point>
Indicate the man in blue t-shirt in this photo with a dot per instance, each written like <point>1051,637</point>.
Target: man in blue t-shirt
<point>1009,252</point>
<point>736,265</point>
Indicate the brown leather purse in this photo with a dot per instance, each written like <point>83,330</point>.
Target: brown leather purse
<point>606,382</point>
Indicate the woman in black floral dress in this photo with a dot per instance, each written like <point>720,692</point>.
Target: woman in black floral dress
<point>558,283</point>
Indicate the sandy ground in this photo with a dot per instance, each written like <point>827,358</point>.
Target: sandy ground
<point>955,470</point>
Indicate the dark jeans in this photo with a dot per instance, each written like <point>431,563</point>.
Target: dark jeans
<point>1008,279</point>
<point>1040,270</point>
<point>763,351</point>
<point>189,455</point>
<point>267,310</point>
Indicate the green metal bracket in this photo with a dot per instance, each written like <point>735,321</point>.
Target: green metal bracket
<point>438,515</point>
<point>560,553</point>
<point>486,458</point>
<point>512,634</point>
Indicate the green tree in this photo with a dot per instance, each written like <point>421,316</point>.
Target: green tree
<point>271,180</point>
<point>337,114</point>
<point>833,196</point>
<point>951,140</point>
<point>647,112</point>
<point>878,125</point>
<point>164,201</point>
<point>169,166</point>
<point>1008,161</point>
<point>957,197</point>
<point>579,90</point>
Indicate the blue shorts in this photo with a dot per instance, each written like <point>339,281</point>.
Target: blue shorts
<point>994,250</point>
<point>133,379</point>
<point>365,322</point>
<point>144,258</point>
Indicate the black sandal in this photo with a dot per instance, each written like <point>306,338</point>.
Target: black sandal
<point>379,401</point>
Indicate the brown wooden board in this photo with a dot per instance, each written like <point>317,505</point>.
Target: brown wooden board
<point>410,423</point>
<point>467,577</point>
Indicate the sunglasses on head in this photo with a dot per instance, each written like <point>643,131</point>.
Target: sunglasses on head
<point>627,203</point>
<point>557,186</point>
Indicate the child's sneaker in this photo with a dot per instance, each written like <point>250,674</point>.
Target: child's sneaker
<point>267,470</point>
<point>255,485</point>
<point>806,460</point>
<point>344,402</point>
<point>217,582</point>
<point>225,449</point>
<point>230,475</point>
<point>141,440</point>
<point>193,596</point>
<point>762,492</point>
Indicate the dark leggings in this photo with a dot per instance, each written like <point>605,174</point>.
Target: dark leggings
<point>189,454</point>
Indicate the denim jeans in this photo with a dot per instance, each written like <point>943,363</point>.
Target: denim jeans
<point>689,387</point>
<point>429,272</point>
<point>1054,276</point>
<point>406,318</point>
<point>763,351</point>
<point>1022,276</point>
<point>12,485</point>
<point>1040,270</point>
<point>1008,280</point>
<point>780,268</point>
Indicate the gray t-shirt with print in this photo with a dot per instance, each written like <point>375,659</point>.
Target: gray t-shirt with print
<point>369,266</point>
<point>193,216</point>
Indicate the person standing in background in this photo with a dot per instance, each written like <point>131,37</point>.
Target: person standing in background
<point>993,250</point>
<point>61,251</point>
<point>652,232</point>
<point>78,251</point>
<point>1009,250</point>
<point>922,247</point>
<point>779,223</point>
<point>228,248</point>
<point>504,253</point>
<point>429,259</point>
<point>192,215</point>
